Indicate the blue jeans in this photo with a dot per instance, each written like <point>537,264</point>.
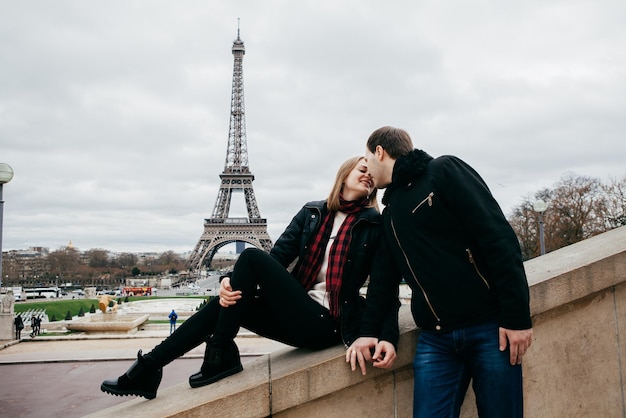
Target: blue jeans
<point>444,364</point>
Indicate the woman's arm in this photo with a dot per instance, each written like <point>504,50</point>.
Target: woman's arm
<point>287,246</point>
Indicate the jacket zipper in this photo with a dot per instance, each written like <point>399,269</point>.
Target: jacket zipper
<point>428,199</point>
<point>471,260</point>
<point>406,259</point>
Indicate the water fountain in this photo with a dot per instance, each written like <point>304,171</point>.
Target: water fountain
<point>110,321</point>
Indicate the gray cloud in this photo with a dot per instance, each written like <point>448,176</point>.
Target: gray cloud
<point>114,115</point>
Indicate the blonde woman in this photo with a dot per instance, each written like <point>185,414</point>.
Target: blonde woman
<point>316,305</point>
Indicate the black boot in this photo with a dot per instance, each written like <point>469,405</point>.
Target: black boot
<point>219,362</point>
<point>141,379</point>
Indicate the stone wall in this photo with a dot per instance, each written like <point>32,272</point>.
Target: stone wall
<point>575,367</point>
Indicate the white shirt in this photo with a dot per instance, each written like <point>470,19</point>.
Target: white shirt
<point>318,291</point>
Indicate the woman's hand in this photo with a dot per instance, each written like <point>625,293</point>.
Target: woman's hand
<point>228,296</point>
<point>360,352</point>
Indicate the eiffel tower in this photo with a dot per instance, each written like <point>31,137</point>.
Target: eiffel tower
<point>220,229</point>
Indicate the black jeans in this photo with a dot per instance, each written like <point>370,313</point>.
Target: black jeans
<point>273,304</point>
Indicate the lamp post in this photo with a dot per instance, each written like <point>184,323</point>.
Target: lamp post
<point>540,207</point>
<point>6,174</point>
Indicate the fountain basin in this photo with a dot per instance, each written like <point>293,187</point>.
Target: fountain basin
<point>109,323</point>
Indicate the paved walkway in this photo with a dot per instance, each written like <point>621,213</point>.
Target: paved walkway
<point>60,376</point>
<point>101,348</point>
<point>104,347</point>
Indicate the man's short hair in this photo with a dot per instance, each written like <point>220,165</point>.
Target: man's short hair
<point>395,141</point>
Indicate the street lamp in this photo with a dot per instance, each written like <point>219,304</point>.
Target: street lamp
<point>540,207</point>
<point>6,174</point>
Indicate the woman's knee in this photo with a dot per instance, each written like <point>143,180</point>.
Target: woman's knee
<point>252,253</point>
<point>248,266</point>
<point>251,257</point>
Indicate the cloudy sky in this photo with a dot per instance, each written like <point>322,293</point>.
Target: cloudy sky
<point>114,114</point>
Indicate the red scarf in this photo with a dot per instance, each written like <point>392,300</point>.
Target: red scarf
<point>309,266</point>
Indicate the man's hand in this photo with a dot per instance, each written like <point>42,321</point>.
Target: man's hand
<point>385,355</point>
<point>518,340</point>
<point>228,297</point>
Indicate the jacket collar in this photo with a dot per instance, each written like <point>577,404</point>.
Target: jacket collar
<point>371,214</point>
<point>406,169</point>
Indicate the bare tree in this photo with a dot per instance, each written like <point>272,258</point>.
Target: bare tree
<point>170,261</point>
<point>97,258</point>
<point>125,260</point>
<point>576,207</point>
<point>615,203</point>
<point>525,223</point>
<point>169,257</point>
<point>63,262</point>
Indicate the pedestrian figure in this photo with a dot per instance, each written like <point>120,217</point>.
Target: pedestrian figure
<point>19,326</point>
<point>173,317</point>
<point>33,326</point>
<point>37,325</point>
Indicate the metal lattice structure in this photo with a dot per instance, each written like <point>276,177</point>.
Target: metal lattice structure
<point>220,229</point>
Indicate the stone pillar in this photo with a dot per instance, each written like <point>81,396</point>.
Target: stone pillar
<point>7,316</point>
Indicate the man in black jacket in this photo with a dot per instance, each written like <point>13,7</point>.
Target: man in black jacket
<point>447,237</point>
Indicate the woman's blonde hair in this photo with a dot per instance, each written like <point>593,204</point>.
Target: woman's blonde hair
<point>342,174</point>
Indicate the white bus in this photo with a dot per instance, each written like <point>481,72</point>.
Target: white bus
<point>17,292</point>
<point>42,292</point>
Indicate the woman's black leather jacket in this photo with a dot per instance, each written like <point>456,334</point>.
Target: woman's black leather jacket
<point>365,237</point>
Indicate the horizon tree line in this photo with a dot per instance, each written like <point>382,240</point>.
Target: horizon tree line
<point>578,207</point>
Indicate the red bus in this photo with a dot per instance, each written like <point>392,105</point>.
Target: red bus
<point>137,291</point>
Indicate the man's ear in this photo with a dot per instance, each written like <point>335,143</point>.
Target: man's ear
<point>379,152</point>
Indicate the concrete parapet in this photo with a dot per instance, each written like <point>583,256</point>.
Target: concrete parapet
<point>288,383</point>
<point>577,271</point>
<point>575,367</point>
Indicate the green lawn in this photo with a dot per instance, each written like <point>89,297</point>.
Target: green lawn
<point>59,308</point>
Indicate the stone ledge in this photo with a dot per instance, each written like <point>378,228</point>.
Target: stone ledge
<point>301,376</point>
<point>284,382</point>
<point>234,396</point>
<point>576,271</point>
<point>280,380</point>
